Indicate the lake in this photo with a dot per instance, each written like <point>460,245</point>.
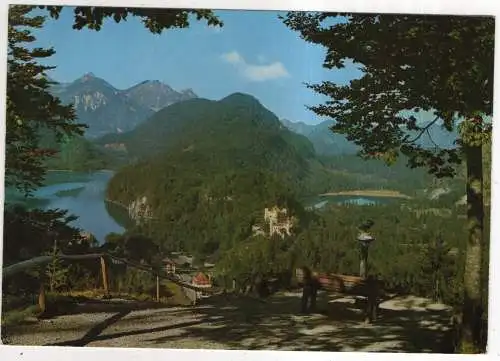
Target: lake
<point>320,202</point>
<point>83,195</point>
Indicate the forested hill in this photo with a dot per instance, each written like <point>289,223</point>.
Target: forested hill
<point>201,123</point>
<point>75,153</point>
<point>234,134</point>
<point>237,133</point>
<point>213,165</point>
<point>206,170</point>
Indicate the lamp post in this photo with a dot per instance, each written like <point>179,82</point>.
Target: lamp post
<point>364,239</point>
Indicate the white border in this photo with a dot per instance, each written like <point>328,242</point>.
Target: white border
<point>455,7</point>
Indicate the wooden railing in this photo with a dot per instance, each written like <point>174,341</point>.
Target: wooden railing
<point>104,258</point>
<point>338,282</point>
<point>370,288</point>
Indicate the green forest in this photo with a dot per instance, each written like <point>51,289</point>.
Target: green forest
<point>75,153</point>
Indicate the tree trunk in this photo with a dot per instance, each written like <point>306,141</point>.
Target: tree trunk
<point>472,307</point>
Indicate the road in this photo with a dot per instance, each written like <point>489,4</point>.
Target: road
<point>237,322</point>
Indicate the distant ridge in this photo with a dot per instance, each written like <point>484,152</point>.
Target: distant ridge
<point>106,109</point>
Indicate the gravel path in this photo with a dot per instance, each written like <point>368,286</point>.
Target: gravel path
<point>405,325</point>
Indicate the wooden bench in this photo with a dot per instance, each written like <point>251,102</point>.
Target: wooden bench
<point>369,288</point>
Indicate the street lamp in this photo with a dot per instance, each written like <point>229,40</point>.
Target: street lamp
<point>53,235</point>
<point>364,239</point>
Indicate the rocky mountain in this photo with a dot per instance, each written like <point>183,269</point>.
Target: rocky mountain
<point>156,95</point>
<point>106,109</point>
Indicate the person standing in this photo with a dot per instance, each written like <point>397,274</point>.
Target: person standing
<point>309,291</point>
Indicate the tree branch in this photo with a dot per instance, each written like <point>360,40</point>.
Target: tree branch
<point>424,130</point>
<point>432,140</point>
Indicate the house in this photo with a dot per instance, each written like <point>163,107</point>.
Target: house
<point>201,280</point>
<point>169,265</point>
<point>182,260</point>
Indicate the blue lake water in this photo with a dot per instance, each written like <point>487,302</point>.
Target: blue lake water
<point>322,201</point>
<point>95,215</point>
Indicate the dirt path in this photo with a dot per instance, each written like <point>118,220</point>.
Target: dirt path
<point>405,325</point>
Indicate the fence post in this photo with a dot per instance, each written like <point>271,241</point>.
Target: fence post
<point>157,288</point>
<point>104,276</point>
<point>42,304</point>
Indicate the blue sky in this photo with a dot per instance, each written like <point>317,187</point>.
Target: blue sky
<point>253,53</point>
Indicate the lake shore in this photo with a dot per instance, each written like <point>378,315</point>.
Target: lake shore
<point>83,195</point>
<point>116,203</point>
<point>369,193</point>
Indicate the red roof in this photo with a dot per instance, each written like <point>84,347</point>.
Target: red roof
<point>201,279</point>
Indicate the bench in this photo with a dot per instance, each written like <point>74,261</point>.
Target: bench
<point>369,288</point>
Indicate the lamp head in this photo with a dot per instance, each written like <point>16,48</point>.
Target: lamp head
<point>365,239</point>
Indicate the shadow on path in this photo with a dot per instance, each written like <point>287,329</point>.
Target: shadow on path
<point>94,331</point>
<point>338,326</point>
<point>239,322</point>
<point>94,334</point>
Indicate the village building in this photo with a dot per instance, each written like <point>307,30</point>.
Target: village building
<point>182,260</point>
<point>201,280</point>
<point>169,265</point>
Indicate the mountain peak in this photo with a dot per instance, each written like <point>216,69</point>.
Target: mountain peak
<point>92,80</point>
<point>156,82</point>
<point>189,92</point>
<point>155,94</point>
<point>241,98</point>
<point>88,76</point>
<point>89,83</point>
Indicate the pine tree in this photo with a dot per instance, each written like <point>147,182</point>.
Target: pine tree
<point>30,106</point>
<point>57,272</point>
<point>435,268</point>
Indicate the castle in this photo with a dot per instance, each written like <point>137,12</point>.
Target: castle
<point>279,222</point>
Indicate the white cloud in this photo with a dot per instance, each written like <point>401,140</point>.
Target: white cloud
<point>265,72</point>
<point>256,72</point>
<point>233,58</point>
